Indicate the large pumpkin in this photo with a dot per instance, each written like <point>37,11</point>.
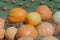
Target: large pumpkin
<point>26,31</point>
<point>46,29</point>
<point>16,15</point>
<point>44,11</point>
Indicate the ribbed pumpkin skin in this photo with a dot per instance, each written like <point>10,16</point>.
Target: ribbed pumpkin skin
<point>46,29</point>
<point>2,33</point>
<point>16,15</point>
<point>10,33</point>
<point>45,12</point>
<point>26,31</point>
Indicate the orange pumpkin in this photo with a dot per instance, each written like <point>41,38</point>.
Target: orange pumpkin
<point>26,31</point>
<point>58,28</point>
<point>46,29</point>
<point>45,12</point>
<point>25,38</point>
<point>16,15</point>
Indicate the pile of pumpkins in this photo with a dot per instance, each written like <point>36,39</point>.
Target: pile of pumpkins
<point>34,24</point>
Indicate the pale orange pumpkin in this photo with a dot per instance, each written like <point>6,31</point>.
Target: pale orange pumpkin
<point>45,12</point>
<point>2,33</point>
<point>26,31</point>
<point>2,23</point>
<point>46,29</point>
<point>10,33</point>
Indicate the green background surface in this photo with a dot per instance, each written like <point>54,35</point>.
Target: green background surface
<point>3,14</point>
<point>54,3</point>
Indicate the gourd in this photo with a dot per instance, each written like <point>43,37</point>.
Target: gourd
<point>56,17</point>
<point>46,29</point>
<point>2,33</point>
<point>26,31</point>
<point>16,15</point>
<point>10,33</point>
<point>33,18</point>
<point>44,11</point>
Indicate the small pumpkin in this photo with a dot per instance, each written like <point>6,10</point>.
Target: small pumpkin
<point>10,33</point>
<point>49,38</point>
<point>44,11</point>
<point>33,18</point>
<point>58,28</point>
<point>2,23</point>
<point>25,38</point>
<point>16,15</point>
<point>26,31</point>
<point>46,29</point>
<point>56,17</point>
<point>2,33</point>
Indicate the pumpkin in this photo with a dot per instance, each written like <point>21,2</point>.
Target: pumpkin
<point>16,15</point>
<point>26,31</point>
<point>2,23</point>
<point>33,18</point>
<point>2,33</point>
<point>58,28</point>
<point>49,38</point>
<point>44,11</point>
<point>10,33</point>
<point>56,17</point>
<point>25,38</point>
<point>46,29</point>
